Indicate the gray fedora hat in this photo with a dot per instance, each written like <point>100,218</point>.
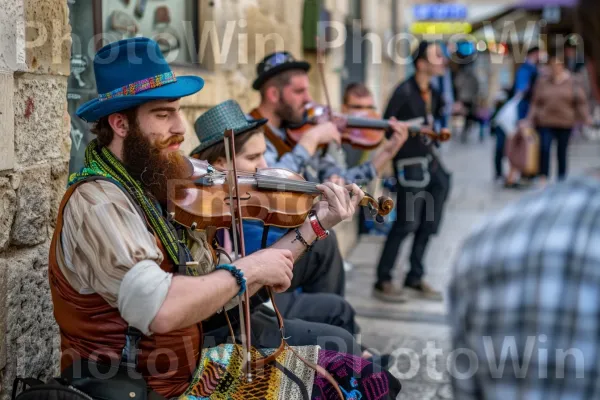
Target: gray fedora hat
<point>210,126</point>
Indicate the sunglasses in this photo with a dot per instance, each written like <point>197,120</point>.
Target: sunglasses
<point>277,59</point>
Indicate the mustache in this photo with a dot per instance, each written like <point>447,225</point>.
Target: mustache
<point>172,140</point>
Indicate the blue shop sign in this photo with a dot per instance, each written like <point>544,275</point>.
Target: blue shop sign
<point>439,12</point>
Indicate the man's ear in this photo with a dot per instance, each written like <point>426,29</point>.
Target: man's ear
<point>220,163</point>
<point>119,124</point>
<point>272,94</point>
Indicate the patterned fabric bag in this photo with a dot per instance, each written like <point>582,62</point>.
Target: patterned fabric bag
<point>288,373</point>
<point>219,376</point>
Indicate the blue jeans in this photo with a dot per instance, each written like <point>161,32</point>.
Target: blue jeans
<point>562,137</point>
<point>500,142</point>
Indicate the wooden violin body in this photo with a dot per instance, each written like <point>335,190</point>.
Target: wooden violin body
<point>364,130</point>
<point>278,197</point>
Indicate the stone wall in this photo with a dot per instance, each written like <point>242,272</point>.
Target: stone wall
<point>35,143</point>
<point>34,155</point>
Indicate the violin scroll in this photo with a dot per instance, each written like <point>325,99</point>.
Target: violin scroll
<point>377,208</point>
<point>442,136</point>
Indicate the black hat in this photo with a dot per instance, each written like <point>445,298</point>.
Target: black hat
<point>275,63</point>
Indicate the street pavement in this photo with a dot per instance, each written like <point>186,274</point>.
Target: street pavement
<point>417,332</point>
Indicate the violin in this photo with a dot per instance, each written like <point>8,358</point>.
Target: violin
<point>276,196</point>
<point>363,130</point>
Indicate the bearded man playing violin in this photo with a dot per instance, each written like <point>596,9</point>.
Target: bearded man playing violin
<point>284,91</point>
<point>121,270</point>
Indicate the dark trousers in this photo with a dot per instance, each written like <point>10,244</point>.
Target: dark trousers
<point>321,270</point>
<point>419,211</point>
<point>499,156</point>
<point>324,308</point>
<point>562,137</point>
<point>400,230</point>
<point>265,333</point>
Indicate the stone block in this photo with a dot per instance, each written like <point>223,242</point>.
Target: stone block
<point>60,177</point>
<point>41,120</point>
<point>48,37</point>
<point>12,32</point>
<point>8,207</point>
<point>3,312</point>
<point>32,336</point>
<point>7,121</point>
<point>33,207</point>
<point>265,36</point>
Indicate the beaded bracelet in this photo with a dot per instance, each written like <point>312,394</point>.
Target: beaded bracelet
<point>302,240</point>
<point>237,274</point>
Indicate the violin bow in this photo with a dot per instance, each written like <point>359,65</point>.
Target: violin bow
<point>321,54</point>
<point>238,228</point>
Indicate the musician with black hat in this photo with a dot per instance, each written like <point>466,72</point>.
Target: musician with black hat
<point>283,84</point>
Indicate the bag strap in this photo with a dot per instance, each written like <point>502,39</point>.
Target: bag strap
<point>283,345</point>
<point>31,382</point>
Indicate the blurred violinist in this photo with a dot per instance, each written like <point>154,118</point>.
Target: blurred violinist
<point>422,182</point>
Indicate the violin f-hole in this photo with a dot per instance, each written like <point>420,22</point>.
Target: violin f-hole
<point>248,197</point>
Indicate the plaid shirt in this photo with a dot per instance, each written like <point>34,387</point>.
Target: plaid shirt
<point>524,301</point>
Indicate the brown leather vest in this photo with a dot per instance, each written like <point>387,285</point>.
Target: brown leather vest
<point>281,145</point>
<point>90,328</point>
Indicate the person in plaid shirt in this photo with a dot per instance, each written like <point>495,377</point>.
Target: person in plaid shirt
<point>524,300</point>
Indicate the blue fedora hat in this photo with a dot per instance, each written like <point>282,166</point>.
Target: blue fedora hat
<point>131,72</point>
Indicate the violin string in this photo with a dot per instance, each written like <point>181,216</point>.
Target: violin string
<point>283,183</point>
<point>273,179</point>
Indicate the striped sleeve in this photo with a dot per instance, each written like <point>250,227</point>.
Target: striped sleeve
<point>103,237</point>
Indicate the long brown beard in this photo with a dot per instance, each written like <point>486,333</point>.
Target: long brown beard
<point>145,161</point>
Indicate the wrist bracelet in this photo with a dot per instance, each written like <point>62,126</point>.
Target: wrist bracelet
<point>317,227</point>
<point>302,240</point>
<point>237,274</point>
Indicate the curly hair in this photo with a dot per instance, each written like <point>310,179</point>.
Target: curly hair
<point>104,131</point>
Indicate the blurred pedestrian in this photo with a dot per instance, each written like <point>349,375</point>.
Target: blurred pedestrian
<point>526,78</point>
<point>444,84</point>
<point>498,132</point>
<point>467,94</point>
<point>559,103</point>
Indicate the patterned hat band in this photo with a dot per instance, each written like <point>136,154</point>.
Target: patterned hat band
<point>140,86</point>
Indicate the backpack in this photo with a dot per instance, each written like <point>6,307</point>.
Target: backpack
<point>89,380</point>
<point>55,389</point>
